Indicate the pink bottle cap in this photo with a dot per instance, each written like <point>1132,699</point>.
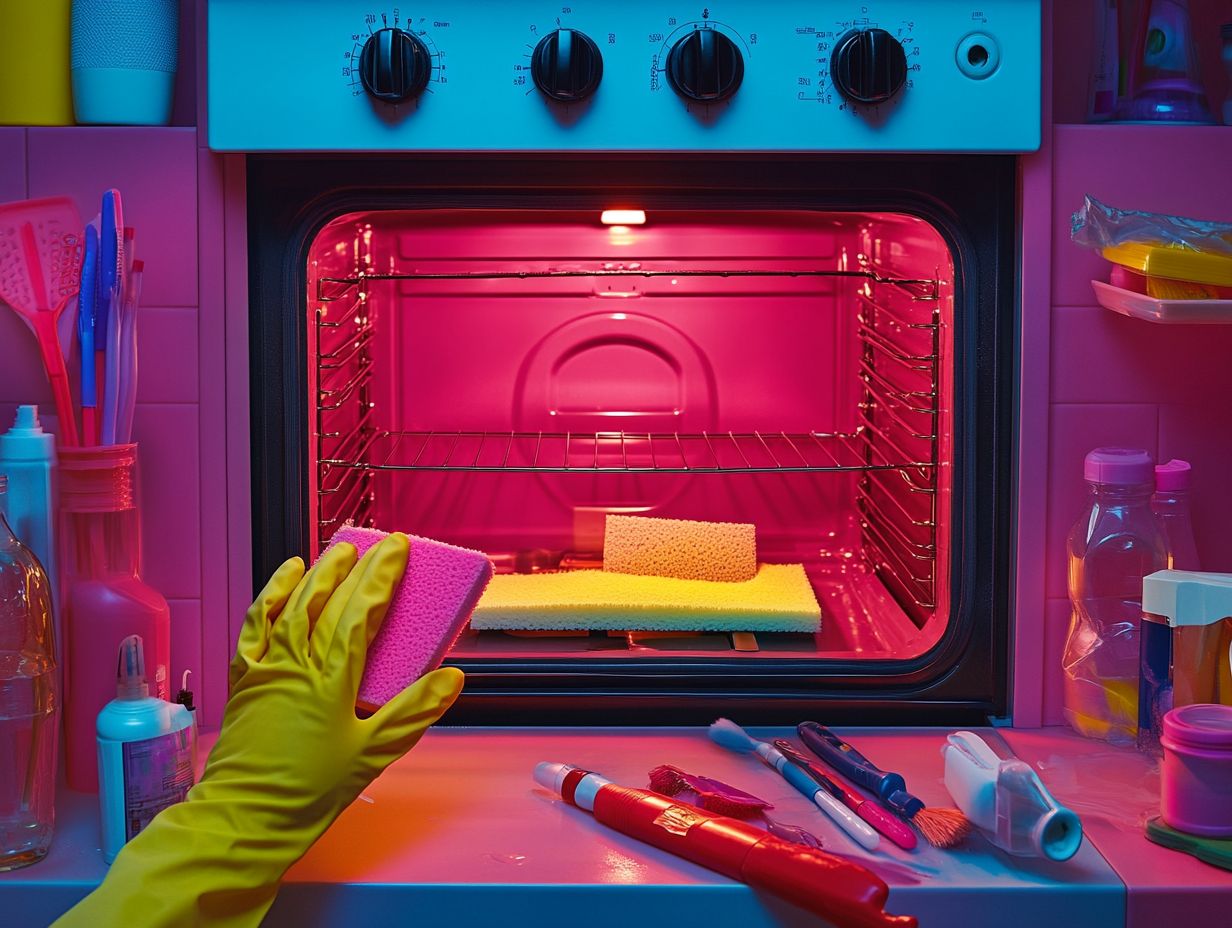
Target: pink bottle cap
<point>1200,725</point>
<point>1175,475</point>
<point>1119,466</point>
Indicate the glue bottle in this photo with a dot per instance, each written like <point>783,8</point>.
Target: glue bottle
<point>146,752</point>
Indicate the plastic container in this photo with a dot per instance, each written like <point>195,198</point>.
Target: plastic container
<point>1184,652</point>
<point>1007,801</point>
<point>105,599</point>
<point>1175,273</point>
<point>1115,543</point>
<point>125,54</point>
<point>34,64</point>
<point>146,752</point>
<point>1165,312</point>
<point>1196,775</point>
<point>28,459</point>
<point>1164,81</point>
<point>29,704</point>
<point>1171,507</point>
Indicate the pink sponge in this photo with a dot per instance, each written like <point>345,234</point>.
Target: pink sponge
<point>429,610</point>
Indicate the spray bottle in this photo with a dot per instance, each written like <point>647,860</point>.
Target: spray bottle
<point>146,752</point>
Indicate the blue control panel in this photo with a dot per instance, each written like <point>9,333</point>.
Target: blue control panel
<point>624,75</point>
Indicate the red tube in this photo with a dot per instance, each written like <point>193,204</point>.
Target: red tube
<point>842,892</point>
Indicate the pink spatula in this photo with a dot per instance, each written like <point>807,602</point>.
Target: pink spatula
<point>40,266</point>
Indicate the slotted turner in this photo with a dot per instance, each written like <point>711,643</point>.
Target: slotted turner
<point>40,266</point>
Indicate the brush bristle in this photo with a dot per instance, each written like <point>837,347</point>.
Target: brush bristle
<point>728,734</point>
<point>942,828</point>
<point>667,780</point>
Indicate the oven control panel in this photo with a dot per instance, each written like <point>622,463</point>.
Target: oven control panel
<point>625,75</point>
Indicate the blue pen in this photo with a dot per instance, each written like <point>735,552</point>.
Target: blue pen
<point>86,312</point>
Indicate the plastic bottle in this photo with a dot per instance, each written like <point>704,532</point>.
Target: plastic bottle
<point>105,599</point>
<point>1116,543</point>
<point>146,752</point>
<point>29,704</point>
<point>1225,54</point>
<point>1102,97</point>
<point>27,458</point>
<point>1171,506</point>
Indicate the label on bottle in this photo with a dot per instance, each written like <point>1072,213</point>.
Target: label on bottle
<point>158,772</point>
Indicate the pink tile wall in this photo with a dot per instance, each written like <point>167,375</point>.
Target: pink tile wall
<point>156,172</point>
<point>1124,381</point>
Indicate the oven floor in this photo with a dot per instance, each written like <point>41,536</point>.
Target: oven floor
<point>458,831</point>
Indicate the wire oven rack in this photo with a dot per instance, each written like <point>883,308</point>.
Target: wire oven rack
<point>895,446</point>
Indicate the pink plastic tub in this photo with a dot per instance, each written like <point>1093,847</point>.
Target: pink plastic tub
<point>1196,779</point>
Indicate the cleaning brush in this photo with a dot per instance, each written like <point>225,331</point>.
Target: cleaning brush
<point>940,827</point>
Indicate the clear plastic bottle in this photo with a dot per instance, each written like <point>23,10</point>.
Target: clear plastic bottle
<point>1116,543</point>
<point>29,703</point>
<point>1171,506</point>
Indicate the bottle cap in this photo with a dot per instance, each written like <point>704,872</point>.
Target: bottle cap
<point>1175,475</point>
<point>130,670</point>
<point>1119,467</point>
<point>26,440</point>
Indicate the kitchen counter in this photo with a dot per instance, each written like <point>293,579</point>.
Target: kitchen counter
<point>458,831</point>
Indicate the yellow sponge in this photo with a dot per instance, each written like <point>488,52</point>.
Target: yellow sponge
<point>778,599</point>
<point>724,551</point>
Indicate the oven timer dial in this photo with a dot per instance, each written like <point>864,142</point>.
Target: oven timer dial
<point>394,65</point>
<point>868,65</point>
<point>705,66</point>
<point>566,66</point>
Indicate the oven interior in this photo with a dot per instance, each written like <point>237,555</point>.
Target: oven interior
<point>502,379</point>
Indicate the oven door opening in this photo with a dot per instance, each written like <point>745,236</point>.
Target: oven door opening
<point>503,379</point>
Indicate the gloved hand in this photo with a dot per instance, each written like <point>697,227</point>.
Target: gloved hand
<point>291,754</point>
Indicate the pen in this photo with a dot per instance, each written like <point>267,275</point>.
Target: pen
<point>894,829</point>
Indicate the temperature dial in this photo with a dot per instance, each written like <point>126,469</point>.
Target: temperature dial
<point>868,66</point>
<point>566,65</point>
<point>394,65</point>
<point>705,66</point>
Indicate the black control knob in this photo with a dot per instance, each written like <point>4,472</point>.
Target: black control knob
<point>394,65</point>
<point>705,66</point>
<point>567,65</point>
<point>868,66</point>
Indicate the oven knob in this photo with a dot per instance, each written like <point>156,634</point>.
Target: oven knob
<point>567,65</point>
<point>705,66</point>
<point>394,65</point>
<point>868,66</point>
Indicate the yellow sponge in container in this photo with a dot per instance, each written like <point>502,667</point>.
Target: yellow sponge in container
<point>682,548</point>
<point>779,598</point>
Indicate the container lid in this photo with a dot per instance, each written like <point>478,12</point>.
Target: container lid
<point>1200,725</point>
<point>1187,597</point>
<point>1175,475</point>
<point>1119,466</point>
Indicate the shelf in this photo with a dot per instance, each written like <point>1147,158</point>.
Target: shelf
<point>619,452</point>
<point>1164,312</point>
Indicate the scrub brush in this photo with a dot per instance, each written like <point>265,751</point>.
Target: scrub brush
<point>940,827</point>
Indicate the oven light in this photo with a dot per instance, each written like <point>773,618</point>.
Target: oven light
<point>623,217</point>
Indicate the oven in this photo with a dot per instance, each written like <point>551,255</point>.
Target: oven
<point>513,268</point>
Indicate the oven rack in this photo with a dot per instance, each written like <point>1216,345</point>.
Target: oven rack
<point>329,289</point>
<point>620,452</point>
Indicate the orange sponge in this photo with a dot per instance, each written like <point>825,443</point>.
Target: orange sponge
<point>682,548</point>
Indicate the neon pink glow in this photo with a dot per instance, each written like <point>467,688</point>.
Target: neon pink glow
<point>659,367</point>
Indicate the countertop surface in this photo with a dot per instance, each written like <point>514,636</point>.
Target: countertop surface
<point>458,830</point>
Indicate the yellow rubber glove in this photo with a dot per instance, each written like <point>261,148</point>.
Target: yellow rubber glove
<point>290,757</point>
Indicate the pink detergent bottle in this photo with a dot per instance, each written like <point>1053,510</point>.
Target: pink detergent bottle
<point>105,599</point>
